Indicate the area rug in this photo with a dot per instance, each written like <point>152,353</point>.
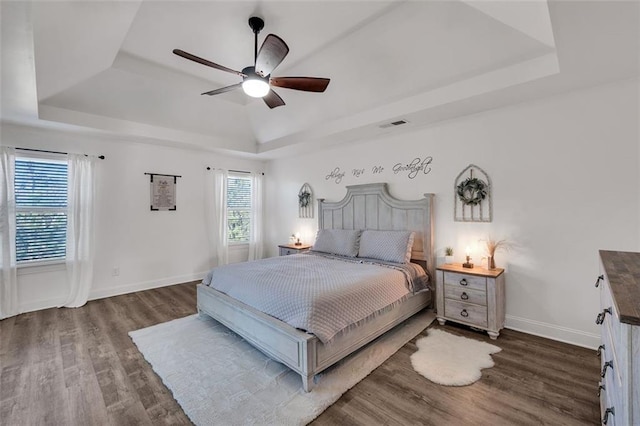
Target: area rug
<point>452,360</point>
<point>220,379</point>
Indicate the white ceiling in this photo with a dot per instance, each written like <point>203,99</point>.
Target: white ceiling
<point>109,66</point>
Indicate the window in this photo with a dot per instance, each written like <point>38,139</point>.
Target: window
<point>239,208</point>
<point>41,209</point>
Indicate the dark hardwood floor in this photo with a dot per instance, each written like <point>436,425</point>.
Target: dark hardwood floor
<point>79,367</point>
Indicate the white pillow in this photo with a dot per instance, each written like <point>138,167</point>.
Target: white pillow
<point>343,242</point>
<point>390,246</point>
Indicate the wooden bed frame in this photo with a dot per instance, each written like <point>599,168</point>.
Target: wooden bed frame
<point>364,207</point>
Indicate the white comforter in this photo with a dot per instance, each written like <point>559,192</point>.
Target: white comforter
<point>316,293</point>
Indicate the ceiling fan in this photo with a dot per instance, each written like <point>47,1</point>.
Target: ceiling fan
<point>256,79</point>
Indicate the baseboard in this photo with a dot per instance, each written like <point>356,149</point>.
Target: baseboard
<point>38,305</point>
<point>146,285</point>
<point>553,332</point>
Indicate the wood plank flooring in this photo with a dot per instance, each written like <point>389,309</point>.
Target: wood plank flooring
<point>79,367</point>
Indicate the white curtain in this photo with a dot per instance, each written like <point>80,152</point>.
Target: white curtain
<point>255,234</point>
<point>8,277</point>
<point>209,214</point>
<point>219,216</point>
<point>80,228</point>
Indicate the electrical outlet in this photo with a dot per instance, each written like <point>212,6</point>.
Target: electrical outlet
<point>115,271</point>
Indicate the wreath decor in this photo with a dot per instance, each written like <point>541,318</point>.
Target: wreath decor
<point>304,198</point>
<point>472,191</point>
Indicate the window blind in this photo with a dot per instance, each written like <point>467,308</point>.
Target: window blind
<point>41,209</point>
<point>238,209</point>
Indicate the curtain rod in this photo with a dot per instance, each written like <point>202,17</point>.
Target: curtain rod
<point>236,171</point>
<point>53,152</point>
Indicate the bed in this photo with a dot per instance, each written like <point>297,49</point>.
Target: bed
<point>364,207</point>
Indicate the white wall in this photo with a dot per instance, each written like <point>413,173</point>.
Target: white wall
<point>150,249</point>
<point>565,183</point>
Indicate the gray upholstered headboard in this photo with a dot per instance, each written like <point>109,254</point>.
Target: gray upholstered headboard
<point>370,206</point>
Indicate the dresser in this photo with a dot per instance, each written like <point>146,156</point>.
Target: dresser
<point>619,319</point>
<point>471,296</point>
<point>287,249</point>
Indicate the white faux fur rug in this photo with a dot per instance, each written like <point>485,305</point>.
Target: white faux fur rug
<point>451,360</point>
<point>220,379</point>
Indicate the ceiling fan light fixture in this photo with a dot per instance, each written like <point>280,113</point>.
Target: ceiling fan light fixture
<point>256,79</point>
<point>255,87</point>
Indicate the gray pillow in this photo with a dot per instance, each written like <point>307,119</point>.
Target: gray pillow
<point>390,246</point>
<point>343,242</point>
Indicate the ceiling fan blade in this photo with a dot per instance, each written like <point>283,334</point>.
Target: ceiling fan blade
<point>272,52</point>
<point>308,84</point>
<point>222,89</point>
<point>273,100</point>
<point>199,60</point>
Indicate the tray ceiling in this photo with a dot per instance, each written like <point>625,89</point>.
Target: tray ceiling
<point>109,65</point>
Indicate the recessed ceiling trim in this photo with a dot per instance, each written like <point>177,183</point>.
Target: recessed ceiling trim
<point>529,17</point>
<point>520,73</point>
<point>135,129</point>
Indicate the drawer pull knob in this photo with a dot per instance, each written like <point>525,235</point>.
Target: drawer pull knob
<point>600,278</point>
<point>600,389</point>
<point>464,296</point>
<point>464,313</point>
<point>464,282</point>
<point>604,368</point>
<point>599,351</point>
<point>608,411</point>
<point>602,315</point>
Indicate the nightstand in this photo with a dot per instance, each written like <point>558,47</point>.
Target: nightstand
<point>471,296</point>
<point>287,249</point>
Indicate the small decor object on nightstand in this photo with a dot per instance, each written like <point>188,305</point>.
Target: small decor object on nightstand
<point>305,202</point>
<point>492,247</point>
<point>473,196</point>
<point>448,255</point>
<point>468,263</point>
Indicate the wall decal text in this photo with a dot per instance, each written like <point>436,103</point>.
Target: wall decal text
<point>358,172</point>
<point>336,175</point>
<point>416,166</point>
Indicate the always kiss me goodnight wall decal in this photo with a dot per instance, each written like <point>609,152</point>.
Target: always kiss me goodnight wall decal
<point>417,167</point>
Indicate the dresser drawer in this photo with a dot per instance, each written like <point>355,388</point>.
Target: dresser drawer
<point>287,251</point>
<point>611,324</point>
<point>611,349</point>
<point>468,295</point>
<point>606,403</point>
<point>609,399</point>
<point>466,312</point>
<point>465,281</point>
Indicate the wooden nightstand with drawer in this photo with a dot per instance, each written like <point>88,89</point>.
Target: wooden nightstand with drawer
<point>287,249</point>
<point>471,296</point>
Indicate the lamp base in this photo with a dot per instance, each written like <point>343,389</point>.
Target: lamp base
<point>467,265</point>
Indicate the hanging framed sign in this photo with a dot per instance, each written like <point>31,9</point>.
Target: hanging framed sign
<point>163,191</point>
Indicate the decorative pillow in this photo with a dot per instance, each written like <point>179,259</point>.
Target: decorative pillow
<point>390,246</point>
<point>343,242</point>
